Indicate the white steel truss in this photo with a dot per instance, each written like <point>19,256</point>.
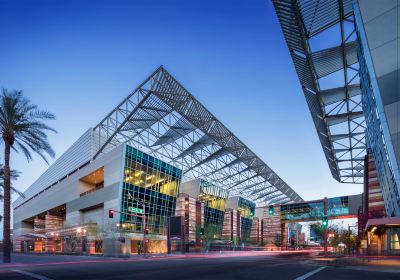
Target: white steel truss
<point>162,118</point>
<point>322,40</point>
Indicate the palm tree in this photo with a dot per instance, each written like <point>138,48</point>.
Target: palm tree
<point>23,130</point>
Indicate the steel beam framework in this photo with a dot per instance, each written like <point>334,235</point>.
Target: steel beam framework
<point>322,41</point>
<point>163,119</point>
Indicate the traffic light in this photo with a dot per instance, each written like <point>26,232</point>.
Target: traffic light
<point>271,210</point>
<point>324,221</point>
<point>111,213</point>
<point>146,230</point>
<point>202,231</point>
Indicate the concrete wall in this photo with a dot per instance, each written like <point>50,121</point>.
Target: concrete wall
<point>21,228</point>
<point>382,28</point>
<point>191,188</point>
<point>68,191</point>
<point>78,208</point>
<point>233,202</point>
<point>78,154</point>
<point>112,247</point>
<point>355,203</point>
<point>259,213</point>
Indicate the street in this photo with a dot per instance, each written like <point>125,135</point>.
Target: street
<point>214,266</point>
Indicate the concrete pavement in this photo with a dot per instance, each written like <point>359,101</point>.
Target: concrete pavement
<point>213,266</point>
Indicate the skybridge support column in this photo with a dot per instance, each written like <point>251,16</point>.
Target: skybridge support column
<point>284,235</point>
<point>272,234</point>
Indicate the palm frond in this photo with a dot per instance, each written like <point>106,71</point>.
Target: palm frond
<point>14,174</point>
<point>23,124</point>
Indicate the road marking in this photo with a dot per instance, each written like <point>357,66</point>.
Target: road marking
<point>311,273</point>
<point>33,275</point>
<point>279,264</point>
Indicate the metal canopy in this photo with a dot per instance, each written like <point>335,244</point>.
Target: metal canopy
<point>163,119</point>
<point>322,41</point>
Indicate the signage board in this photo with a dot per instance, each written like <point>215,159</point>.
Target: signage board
<point>136,210</point>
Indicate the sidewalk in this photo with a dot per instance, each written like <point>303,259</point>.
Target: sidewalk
<point>370,263</point>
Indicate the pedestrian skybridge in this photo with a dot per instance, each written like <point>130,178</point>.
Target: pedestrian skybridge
<point>335,208</point>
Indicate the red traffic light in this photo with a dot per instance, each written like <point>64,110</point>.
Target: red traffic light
<point>111,213</point>
<point>146,230</point>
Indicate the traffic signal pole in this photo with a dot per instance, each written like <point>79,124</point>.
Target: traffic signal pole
<point>325,242</point>
<point>143,216</point>
<point>325,226</point>
<point>144,231</point>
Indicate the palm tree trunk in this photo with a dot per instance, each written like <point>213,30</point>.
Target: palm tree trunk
<point>7,202</point>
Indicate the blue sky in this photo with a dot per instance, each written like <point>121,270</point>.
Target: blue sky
<point>78,59</point>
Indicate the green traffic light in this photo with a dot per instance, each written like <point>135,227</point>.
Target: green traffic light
<point>324,221</point>
<point>271,210</point>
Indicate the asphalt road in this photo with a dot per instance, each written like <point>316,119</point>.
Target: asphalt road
<point>217,267</point>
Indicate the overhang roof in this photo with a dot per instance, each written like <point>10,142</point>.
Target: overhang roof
<point>165,120</point>
<point>386,221</point>
<point>322,41</point>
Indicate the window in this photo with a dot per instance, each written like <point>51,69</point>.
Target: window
<point>156,182</point>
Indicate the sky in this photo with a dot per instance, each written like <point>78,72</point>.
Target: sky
<point>79,59</point>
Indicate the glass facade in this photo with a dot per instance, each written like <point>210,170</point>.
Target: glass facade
<point>377,132</point>
<point>214,199</point>
<point>246,209</point>
<point>393,235</point>
<point>302,211</point>
<point>153,181</point>
<point>338,206</point>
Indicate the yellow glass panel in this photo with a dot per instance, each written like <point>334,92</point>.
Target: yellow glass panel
<point>169,188</point>
<point>216,203</point>
<point>245,212</point>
